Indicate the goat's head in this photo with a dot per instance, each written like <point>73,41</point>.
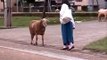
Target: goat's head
<point>44,22</point>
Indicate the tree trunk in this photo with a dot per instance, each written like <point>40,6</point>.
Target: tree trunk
<point>44,9</point>
<point>97,3</point>
<point>7,13</point>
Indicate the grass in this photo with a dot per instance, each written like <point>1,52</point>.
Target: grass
<point>84,18</point>
<point>1,21</point>
<point>98,46</point>
<point>22,21</point>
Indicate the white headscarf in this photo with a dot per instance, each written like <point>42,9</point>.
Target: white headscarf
<point>66,12</point>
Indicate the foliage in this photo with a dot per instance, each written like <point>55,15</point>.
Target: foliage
<point>30,1</point>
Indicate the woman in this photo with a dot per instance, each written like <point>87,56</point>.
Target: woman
<point>67,28</point>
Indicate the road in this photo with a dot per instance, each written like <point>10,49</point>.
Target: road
<point>15,43</point>
<point>16,54</point>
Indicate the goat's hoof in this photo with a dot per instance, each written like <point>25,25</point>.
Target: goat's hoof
<point>31,43</point>
<point>43,44</point>
<point>105,21</point>
<point>35,44</point>
<point>99,21</point>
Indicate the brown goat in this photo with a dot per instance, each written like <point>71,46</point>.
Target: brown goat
<point>37,27</point>
<point>102,12</point>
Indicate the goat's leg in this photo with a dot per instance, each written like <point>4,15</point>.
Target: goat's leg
<point>99,17</point>
<point>32,36</point>
<point>104,17</point>
<point>42,40</point>
<point>36,42</point>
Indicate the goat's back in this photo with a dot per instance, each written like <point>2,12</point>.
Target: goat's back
<point>34,23</point>
<point>102,11</point>
<point>36,27</point>
<point>33,26</point>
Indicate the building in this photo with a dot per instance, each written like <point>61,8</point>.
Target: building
<point>1,6</point>
<point>13,2</point>
<point>88,5</point>
<point>79,5</point>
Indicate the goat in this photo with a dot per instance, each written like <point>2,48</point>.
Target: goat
<point>37,27</point>
<point>102,12</point>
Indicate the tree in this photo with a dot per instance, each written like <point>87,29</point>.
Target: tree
<point>30,1</point>
<point>7,13</point>
<point>2,0</point>
<point>106,4</point>
<point>44,9</point>
<point>97,3</point>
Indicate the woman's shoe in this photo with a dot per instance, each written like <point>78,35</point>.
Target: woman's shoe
<point>70,48</point>
<point>64,48</point>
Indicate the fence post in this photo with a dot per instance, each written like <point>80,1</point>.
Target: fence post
<point>7,13</point>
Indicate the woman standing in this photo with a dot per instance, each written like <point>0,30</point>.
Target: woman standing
<point>67,28</point>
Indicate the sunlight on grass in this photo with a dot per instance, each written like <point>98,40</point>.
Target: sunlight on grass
<point>100,45</point>
<point>23,21</point>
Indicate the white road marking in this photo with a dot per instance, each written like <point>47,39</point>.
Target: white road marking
<point>45,53</point>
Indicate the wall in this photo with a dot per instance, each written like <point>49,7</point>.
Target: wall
<point>84,2</point>
<point>1,6</point>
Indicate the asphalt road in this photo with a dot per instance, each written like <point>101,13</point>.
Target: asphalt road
<point>15,54</point>
<point>15,43</point>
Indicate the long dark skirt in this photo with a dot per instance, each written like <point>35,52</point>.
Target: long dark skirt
<point>67,33</point>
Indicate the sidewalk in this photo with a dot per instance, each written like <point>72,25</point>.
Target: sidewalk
<point>85,33</point>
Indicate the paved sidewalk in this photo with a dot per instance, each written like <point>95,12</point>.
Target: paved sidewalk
<point>85,33</point>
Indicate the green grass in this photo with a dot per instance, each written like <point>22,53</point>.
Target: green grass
<point>84,18</point>
<point>1,21</point>
<point>22,21</point>
<point>98,46</point>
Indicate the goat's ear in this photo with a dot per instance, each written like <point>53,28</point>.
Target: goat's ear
<point>48,19</point>
<point>45,19</point>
